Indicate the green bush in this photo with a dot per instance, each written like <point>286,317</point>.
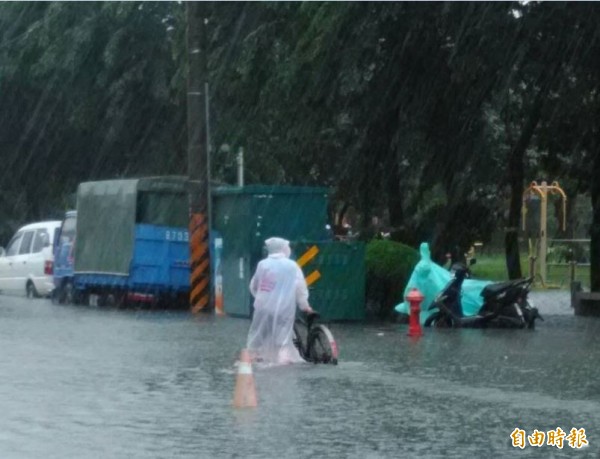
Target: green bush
<point>389,265</point>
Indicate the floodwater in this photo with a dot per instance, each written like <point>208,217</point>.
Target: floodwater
<point>82,382</point>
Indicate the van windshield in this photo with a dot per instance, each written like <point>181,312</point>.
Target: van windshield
<point>162,209</point>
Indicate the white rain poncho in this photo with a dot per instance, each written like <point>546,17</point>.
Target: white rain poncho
<point>278,285</point>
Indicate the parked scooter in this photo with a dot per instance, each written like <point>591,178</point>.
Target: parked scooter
<point>506,304</point>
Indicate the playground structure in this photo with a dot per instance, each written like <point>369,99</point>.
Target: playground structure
<point>538,240</point>
<point>470,255</point>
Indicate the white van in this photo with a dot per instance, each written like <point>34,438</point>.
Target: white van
<point>27,263</point>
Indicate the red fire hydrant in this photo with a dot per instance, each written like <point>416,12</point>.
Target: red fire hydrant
<point>415,298</point>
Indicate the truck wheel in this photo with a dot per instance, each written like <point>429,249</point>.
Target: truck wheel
<point>81,298</point>
<point>67,294</point>
<point>114,299</point>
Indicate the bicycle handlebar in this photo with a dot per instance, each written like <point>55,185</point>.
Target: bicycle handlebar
<point>311,317</point>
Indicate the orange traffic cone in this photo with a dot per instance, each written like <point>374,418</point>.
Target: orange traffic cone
<point>244,395</point>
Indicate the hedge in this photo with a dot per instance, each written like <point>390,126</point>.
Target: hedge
<point>389,265</point>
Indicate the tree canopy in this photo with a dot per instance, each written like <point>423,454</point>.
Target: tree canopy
<point>434,115</point>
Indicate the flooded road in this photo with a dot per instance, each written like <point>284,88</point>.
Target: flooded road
<point>80,382</point>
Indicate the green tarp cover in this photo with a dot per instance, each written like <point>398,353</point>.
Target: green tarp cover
<point>163,201</point>
<point>168,184</point>
<point>107,212</point>
<point>430,279</point>
<point>105,226</point>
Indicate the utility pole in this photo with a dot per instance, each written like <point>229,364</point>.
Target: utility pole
<point>198,160</point>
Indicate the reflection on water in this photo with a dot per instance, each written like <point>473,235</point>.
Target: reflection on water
<point>83,382</point>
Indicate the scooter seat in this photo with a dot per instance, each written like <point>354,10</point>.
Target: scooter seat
<point>497,288</point>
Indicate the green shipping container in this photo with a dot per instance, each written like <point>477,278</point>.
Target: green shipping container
<point>339,291</point>
<point>246,216</point>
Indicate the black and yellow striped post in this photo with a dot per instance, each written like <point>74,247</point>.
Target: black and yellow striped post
<point>199,263</point>
<point>198,158</point>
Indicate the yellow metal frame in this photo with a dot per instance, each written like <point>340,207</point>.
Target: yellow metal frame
<point>539,250</point>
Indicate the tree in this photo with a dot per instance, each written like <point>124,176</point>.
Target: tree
<point>86,94</point>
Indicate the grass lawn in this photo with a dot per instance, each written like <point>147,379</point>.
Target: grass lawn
<point>493,267</point>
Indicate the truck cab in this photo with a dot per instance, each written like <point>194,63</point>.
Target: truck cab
<point>64,250</point>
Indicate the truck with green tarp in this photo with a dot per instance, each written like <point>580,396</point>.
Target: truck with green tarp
<point>132,240</point>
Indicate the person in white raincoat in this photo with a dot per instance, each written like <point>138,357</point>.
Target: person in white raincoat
<point>278,286</point>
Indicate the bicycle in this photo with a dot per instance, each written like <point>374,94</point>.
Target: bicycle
<point>315,342</point>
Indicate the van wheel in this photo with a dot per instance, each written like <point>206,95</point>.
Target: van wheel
<point>30,290</point>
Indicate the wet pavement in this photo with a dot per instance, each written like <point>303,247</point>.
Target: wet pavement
<point>82,382</point>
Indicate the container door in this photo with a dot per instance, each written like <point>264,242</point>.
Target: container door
<point>336,273</point>
<point>231,220</point>
<point>236,280</point>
